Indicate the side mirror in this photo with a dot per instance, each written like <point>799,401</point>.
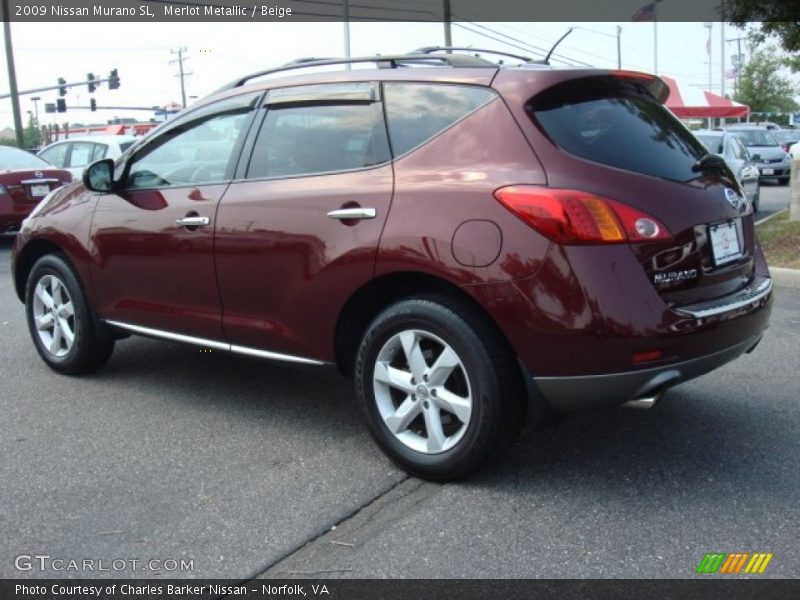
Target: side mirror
<point>99,176</point>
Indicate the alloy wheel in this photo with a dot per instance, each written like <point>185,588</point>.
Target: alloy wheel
<point>54,315</point>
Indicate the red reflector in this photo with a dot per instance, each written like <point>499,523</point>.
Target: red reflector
<point>646,356</point>
<point>575,217</point>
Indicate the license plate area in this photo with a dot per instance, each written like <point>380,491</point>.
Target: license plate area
<point>767,171</point>
<point>39,189</point>
<point>725,243</point>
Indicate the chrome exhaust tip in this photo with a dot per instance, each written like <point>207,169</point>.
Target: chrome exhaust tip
<point>644,403</point>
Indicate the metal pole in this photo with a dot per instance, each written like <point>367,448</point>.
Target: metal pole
<point>35,101</point>
<point>722,58</point>
<point>655,37</point>
<point>12,77</point>
<point>447,18</point>
<point>346,20</point>
<point>619,47</point>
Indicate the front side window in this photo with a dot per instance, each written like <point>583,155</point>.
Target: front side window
<point>196,149</point>
<point>55,155</point>
<point>415,112</point>
<point>712,142</point>
<point>325,138</point>
<point>81,154</point>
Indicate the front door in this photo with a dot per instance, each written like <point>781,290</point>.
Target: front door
<point>153,239</point>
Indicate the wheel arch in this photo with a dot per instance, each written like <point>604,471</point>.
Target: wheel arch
<point>27,257</point>
<point>370,299</point>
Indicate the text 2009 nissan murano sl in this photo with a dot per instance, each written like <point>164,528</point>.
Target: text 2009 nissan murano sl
<point>470,242</point>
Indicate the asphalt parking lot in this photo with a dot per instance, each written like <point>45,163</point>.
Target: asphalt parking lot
<point>251,468</point>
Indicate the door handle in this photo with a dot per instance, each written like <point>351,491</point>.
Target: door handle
<point>193,221</point>
<point>344,214</point>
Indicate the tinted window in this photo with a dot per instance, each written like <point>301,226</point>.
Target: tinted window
<point>100,151</point>
<point>416,112</point>
<point>81,154</point>
<point>617,123</point>
<point>712,142</point>
<point>55,155</point>
<point>303,140</point>
<point>756,137</point>
<point>195,149</point>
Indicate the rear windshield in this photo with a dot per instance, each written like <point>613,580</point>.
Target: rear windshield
<point>13,158</point>
<point>712,142</point>
<point>756,137</point>
<point>617,123</point>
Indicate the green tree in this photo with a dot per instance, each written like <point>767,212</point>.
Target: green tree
<point>32,135</point>
<point>762,87</point>
<point>766,18</point>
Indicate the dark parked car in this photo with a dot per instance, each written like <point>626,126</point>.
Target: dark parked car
<point>728,145</point>
<point>474,244</point>
<point>24,180</point>
<point>772,160</point>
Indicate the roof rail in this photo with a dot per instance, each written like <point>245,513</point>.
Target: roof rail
<point>383,62</point>
<point>431,49</point>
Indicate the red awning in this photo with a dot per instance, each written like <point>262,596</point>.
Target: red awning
<point>688,102</point>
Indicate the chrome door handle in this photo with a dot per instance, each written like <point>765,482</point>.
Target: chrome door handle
<point>193,221</point>
<point>344,214</point>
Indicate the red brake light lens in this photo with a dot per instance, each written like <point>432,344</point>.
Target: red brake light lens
<point>575,217</point>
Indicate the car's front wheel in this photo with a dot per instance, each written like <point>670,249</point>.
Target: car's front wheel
<point>59,319</point>
<point>439,387</point>
<point>783,181</point>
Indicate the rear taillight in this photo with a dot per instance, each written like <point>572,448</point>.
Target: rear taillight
<point>575,217</point>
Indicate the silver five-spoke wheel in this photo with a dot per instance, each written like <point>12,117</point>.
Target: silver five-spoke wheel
<point>422,391</point>
<point>54,315</point>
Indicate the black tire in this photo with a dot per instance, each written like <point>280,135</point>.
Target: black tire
<point>756,202</point>
<point>783,180</point>
<point>486,363</point>
<point>87,351</point>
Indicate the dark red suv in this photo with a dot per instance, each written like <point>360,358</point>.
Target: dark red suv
<point>472,243</point>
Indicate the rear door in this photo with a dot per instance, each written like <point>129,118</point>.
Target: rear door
<point>298,230</point>
<point>153,240</point>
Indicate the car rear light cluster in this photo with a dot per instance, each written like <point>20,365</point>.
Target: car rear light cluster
<point>575,217</point>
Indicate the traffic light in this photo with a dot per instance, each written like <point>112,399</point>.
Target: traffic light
<point>90,82</point>
<point>113,80</point>
<point>92,104</point>
<point>61,105</point>
<point>62,86</point>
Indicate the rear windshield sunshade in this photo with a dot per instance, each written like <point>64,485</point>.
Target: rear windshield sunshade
<point>617,123</point>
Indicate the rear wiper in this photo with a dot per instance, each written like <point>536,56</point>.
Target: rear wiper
<point>709,162</point>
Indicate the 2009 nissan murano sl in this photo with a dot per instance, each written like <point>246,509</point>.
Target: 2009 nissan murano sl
<point>472,243</point>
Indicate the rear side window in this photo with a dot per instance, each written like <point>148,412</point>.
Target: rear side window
<point>81,154</point>
<point>313,139</point>
<point>617,123</point>
<point>415,112</point>
<point>55,155</point>
<point>99,152</point>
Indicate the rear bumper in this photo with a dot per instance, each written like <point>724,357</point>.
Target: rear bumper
<point>573,393</point>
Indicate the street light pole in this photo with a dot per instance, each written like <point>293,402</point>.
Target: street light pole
<point>35,101</point>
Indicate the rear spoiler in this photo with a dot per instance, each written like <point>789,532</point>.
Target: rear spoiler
<point>654,84</point>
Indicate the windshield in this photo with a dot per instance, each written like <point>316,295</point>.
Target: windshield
<point>756,137</point>
<point>617,123</point>
<point>788,136</point>
<point>712,142</point>
<point>14,158</point>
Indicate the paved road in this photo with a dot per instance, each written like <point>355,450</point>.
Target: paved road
<point>773,198</point>
<point>245,467</point>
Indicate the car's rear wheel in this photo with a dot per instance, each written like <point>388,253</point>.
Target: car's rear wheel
<point>59,319</point>
<point>439,388</point>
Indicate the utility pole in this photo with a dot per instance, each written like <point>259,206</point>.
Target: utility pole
<point>619,46</point>
<point>447,18</point>
<point>12,77</point>
<point>181,73</point>
<point>722,58</point>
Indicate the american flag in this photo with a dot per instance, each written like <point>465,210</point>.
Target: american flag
<point>646,13</point>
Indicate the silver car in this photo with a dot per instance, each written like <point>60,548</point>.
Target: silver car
<point>729,146</point>
<point>770,158</point>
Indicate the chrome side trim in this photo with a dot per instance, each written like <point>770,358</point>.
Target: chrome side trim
<point>188,339</point>
<point>751,295</point>
<point>274,355</point>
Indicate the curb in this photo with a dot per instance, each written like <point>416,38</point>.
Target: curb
<point>788,278</point>
<point>772,216</point>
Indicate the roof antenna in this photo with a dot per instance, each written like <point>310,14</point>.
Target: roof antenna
<point>547,58</point>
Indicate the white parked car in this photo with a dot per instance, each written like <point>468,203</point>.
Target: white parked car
<point>76,153</point>
<point>794,151</point>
